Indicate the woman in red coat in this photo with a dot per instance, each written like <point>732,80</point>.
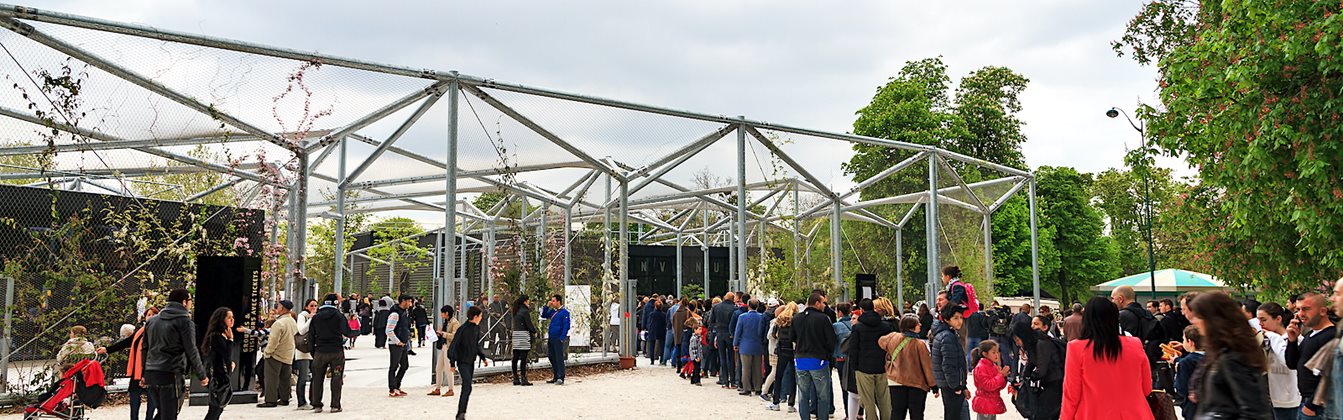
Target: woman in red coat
<point>1106,376</point>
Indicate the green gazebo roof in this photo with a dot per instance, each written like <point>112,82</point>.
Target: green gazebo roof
<point>1168,280</point>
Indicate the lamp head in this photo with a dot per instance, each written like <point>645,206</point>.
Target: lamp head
<point>1112,113</point>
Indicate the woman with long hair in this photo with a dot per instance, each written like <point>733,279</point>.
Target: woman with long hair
<point>1043,370</point>
<point>303,360</point>
<point>925,321</point>
<point>1107,376</point>
<point>447,329</point>
<point>909,367</point>
<point>523,328</point>
<point>783,378</point>
<point>1273,318</point>
<point>217,350</point>
<point>1233,383</point>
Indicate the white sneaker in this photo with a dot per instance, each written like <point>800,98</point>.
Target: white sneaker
<point>772,407</point>
<point>792,409</point>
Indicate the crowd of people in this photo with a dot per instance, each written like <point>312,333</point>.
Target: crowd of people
<point>291,351</point>
<point>1205,355</point>
<point>1209,355</point>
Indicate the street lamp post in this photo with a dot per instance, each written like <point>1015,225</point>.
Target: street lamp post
<point>1147,198</point>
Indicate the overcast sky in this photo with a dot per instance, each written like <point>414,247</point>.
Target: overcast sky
<point>808,64</point>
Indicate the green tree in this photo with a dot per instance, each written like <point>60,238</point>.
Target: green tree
<point>321,242</point>
<point>392,242</point>
<point>1085,257</point>
<point>1249,95</point>
<point>980,120</point>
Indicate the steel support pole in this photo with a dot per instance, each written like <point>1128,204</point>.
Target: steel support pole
<point>704,246</point>
<point>1035,251</point>
<point>606,230</point>
<point>732,254</point>
<point>568,247</point>
<point>300,225</point>
<point>934,281</point>
<point>741,204</point>
<point>680,261</point>
<point>8,337</point>
<point>837,252</point>
<point>627,297</point>
<point>338,280</point>
<point>797,235</point>
<point>448,284</point>
<point>900,269</point>
<point>988,253</point>
<point>489,261</point>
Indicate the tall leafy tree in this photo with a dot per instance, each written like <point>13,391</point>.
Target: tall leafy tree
<point>1085,256</point>
<point>1250,96</point>
<point>917,106</point>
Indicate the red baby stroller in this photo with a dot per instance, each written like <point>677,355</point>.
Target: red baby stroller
<point>81,387</point>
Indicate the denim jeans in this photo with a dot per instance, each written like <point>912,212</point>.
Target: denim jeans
<point>814,385</point>
<point>136,391</point>
<point>304,369</point>
<point>726,368</point>
<point>668,347</point>
<point>970,345</point>
<point>555,353</point>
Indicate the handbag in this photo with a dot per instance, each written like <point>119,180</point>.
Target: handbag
<point>301,342</point>
<point>1024,401</point>
<point>1162,406</point>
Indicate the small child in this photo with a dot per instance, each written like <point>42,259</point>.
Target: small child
<point>354,326</point>
<point>990,379</point>
<point>697,344</point>
<point>1187,373</point>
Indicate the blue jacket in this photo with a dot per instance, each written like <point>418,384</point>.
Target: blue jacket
<point>559,322</point>
<point>749,336</point>
<point>656,324</point>
<point>732,323</point>
<point>842,329</point>
<point>949,364</point>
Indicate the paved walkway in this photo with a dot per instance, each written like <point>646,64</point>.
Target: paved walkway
<point>648,391</point>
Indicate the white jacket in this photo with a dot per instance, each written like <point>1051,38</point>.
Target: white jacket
<point>1282,387</point>
<point>303,320</point>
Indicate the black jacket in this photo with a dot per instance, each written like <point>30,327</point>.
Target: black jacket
<point>522,320</point>
<point>949,364</point>
<point>784,348</point>
<point>419,315</point>
<point>465,347</point>
<point>327,331</point>
<point>720,318</point>
<point>1173,324</point>
<point>1232,387</point>
<point>864,352</point>
<point>656,324</point>
<point>221,359</point>
<point>977,326</point>
<point>1130,320</point>
<point>1298,354</point>
<point>168,344</point>
<point>813,335</point>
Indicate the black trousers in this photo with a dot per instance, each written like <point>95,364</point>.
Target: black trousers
<point>166,388</point>
<point>467,370</point>
<point>321,364</point>
<point>519,367</point>
<point>952,403</point>
<point>905,399</point>
<point>246,370</point>
<point>396,370</point>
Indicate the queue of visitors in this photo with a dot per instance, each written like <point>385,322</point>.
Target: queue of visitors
<point>1209,355</point>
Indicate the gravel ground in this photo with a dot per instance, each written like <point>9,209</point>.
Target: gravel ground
<point>610,395</point>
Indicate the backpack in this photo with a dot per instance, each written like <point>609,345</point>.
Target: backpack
<point>971,298</point>
<point>1148,328</point>
<point>1000,324</point>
